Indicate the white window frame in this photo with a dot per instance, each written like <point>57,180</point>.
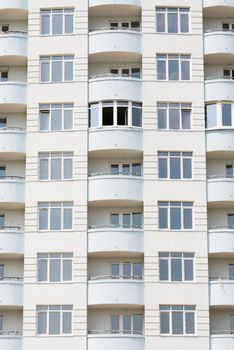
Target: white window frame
<point>57,58</point>
<point>59,205</point>
<point>50,12</point>
<point>56,106</point>
<point>55,155</point>
<point>182,205</point>
<point>120,214</point>
<point>175,105</point>
<point>47,310</point>
<point>120,71</point>
<point>181,58</point>
<point>121,264</point>
<point>182,155</point>
<point>120,315</point>
<point>219,115</point>
<point>183,258</point>
<point>130,167</point>
<point>165,10</point>
<point>48,257</point>
<point>184,311</point>
<point>120,23</point>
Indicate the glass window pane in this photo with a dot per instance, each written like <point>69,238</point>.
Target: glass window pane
<point>68,119</point>
<point>184,23</point>
<point>56,169</point>
<point>188,270</point>
<point>127,324</point>
<point>186,123</point>
<point>163,220</point>
<point>161,69</point>
<point>172,24</point>
<point>55,270</point>
<point>67,218</point>
<point>189,323</point>
<point>137,324</point>
<point>93,117</point>
<point>107,116</point>
<point>122,115</point>
<point>54,323</point>
<point>229,170</point>
<point>136,220</point>
<point>211,115</point>
<point>126,169</point>
<point>162,118</point>
<point>185,70</point>
<point>177,323</point>
<point>43,219</point>
<point>44,169</point>
<point>114,269</point>
<point>67,322</point>
<point>45,24</point>
<point>115,323</point>
<point>136,116</point>
<point>114,219</point>
<point>126,220</point>
<point>137,270</point>
<point>68,71</point>
<point>163,168</point>
<point>187,168</point>
<point>188,218</point>
<point>176,270</point>
<point>57,71</point>
<point>163,270</point>
<point>41,323</point>
<point>57,24</point>
<point>69,23</point>
<point>175,168</point>
<point>44,120</point>
<point>56,119</point>
<point>232,322</point>
<point>230,220</point>
<point>2,220</point>
<point>114,169</point>
<point>45,71</point>
<point>164,323</point>
<point>226,114</point>
<point>42,270</point>
<point>55,219</point>
<point>136,169</point>
<point>174,119</point>
<point>67,270</point>
<point>1,322</point>
<point>68,167</point>
<point>173,69</point>
<point>160,22</point>
<point>175,214</point>
<point>127,270</point>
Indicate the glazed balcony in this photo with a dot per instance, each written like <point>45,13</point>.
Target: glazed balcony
<point>11,291</point>
<point>115,240</point>
<point>221,292</point>
<point>219,89</point>
<point>219,141</point>
<point>13,48</point>
<point>112,87</point>
<point>12,143</point>
<point>12,192</point>
<point>221,240</point>
<point>115,290</point>
<point>222,340</point>
<point>11,241</point>
<point>10,340</point>
<point>13,93</point>
<point>105,339</point>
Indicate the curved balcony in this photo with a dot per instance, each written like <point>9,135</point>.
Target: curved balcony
<point>14,4</point>
<point>116,138</point>
<point>222,292</point>
<point>221,240</point>
<point>12,191</point>
<point>219,89</point>
<point>124,43</point>
<point>218,8</point>
<point>220,141</point>
<point>11,291</point>
<point>219,46</point>
<point>222,340</point>
<point>108,239</point>
<point>220,190</point>
<point>111,87</point>
<point>11,241</point>
<point>105,340</point>
<point>13,47</point>
<point>13,93</point>
<point>109,290</point>
<point>107,187</point>
<point>10,340</point>
<point>12,142</point>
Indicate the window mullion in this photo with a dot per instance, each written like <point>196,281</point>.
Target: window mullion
<point>115,113</point>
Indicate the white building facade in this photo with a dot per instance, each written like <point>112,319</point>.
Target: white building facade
<point>116,174</point>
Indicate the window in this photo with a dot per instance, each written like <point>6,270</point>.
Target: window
<point>56,117</point>
<point>220,115</point>
<point>4,28</point>
<point>211,115</point>
<point>127,72</point>
<point>228,26</point>
<point>54,267</point>
<point>176,266</point>
<point>115,113</point>
<point>172,20</point>
<point>1,271</point>
<point>55,216</point>
<point>127,270</point>
<point>54,319</point>
<point>230,220</point>
<point>175,215</point>
<point>229,170</point>
<point>177,319</point>
<point>2,171</point>
<point>3,123</point>
<point>127,219</point>
<point>174,116</point>
<point>173,67</point>
<point>56,166</point>
<point>125,25</point>
<point>175,165</point>
<point>57,21</point>
<point>127,323</point>
<point>2,221</point>
<point>1,323</point>
<point>231,271</point>
<point>133,169</point>
<point>55,69</point>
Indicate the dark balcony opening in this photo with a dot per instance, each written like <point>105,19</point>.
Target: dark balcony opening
<point>107,116</point>
<point>122,115</point>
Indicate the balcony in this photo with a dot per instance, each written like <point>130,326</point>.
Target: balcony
<point>220,141</point>
<point>219,46</point>
<point>12,192</point>
<point>10,340</point>
<point>12,143</point>
<point>221,241</point>
<point>115,290</point>
<point>124,43</point>
<point>116,138</point>
<point>13,93</point>
<point>125,3</point>
<point>114,240</point>
<point>11,291</point>
<point>222,292</point>
<point>114,87</point>
<point>219,89</point>
<point>222,340</point>
<point>11,241</point>
<point>220,191</point>
<point>115,188</point>
<point>13,48</point>
<point>106,340</point>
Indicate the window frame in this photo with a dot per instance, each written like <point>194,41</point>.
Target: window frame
<point>219,115</point>
<point>48,206</point>
<point>181,107</point>
<point>167,58</point>
<point>128,212</point>
<point>63,59</point>
<point>183,258</point>
<point>53,107</point>
<point>49,12</point>
<point>182,205</point>
<point>185,310</point>
<point>48,156</point>
<point>63,257</point>
<point>39,309</point>
<point>182,155</point>
<point>121,323</point>
<point>167,10</point>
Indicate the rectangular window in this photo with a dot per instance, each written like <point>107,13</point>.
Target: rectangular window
<point>172,20</point>
<point>177,319</point>
<point>56,166</point>
<point>175,215</point>
<point>127,270</point>
<point>226,114</point>
<point>56,117</point>
<point>173,67</point>
<point>54,267</point>
<point>211,115</point>
<point>127,219</point>
<point>175,165</point>
<point>54,320</point>
<point>55,216</point>
<point>55,69</point>
<point>174,116</point>
<point>176,267</point>
<point>134,169</point>
<point>127,323</point>
<point>57,21</point>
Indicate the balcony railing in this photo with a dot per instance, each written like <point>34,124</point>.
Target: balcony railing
<point>10,228</point>
<point>115,277</point>
<point>223,332</point>
<point>224,176</point>
<point>11,279</point>
<point>112,226</point>
<point>18,178</point>
<point>113,75</point>
<point>219,30</point>
<point>11,333</point>
<point>219,77</point>
<point>12,128</point>
<point>107,173</point>
<point>12,32</point>
<point>114,331</point>
<point>115,29</point>
<point>229,278</point>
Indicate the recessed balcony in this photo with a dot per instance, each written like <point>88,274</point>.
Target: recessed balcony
<point>220,141</point>
<point>115,290</point>
<point>105,340</point>
<point>10,340</point>
<point>221,292</point>
<point>219,89</point>
<point>222,340</point>
<point>115,188</point>
<point>121,44</point>
<point>111,87</point>
<point>218,8</point>
<point>12,143</point>
<point>220,191</point>
<point>221,241</point>
<point>13,48</point>
<point>11,291</point>
<point>13,94</point>
<point>111,240</point>
<point>12,192</point>
<point>219,46</point>
<point>11,241</point>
